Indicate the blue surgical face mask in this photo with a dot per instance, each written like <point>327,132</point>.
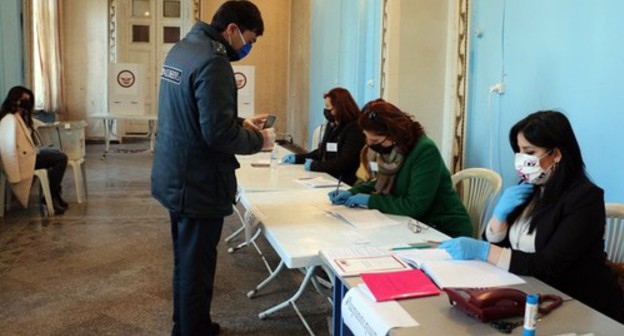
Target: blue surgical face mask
<point>244,51</point>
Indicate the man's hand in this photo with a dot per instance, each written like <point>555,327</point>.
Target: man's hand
<point>256,122</point>
<point>268,138</point>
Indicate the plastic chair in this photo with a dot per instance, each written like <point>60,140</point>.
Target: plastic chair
<point>477,189</point>
<point>317,136</point>
<point>614,232</point>
<point>51,134</point>
<point>5,193</point>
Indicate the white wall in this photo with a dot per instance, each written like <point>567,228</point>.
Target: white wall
<point>416,64</point>
<point>85,60</point>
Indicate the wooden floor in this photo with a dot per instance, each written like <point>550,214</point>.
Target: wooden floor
<point>104,267</point>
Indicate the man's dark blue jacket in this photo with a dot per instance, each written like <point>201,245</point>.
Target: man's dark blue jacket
<point>198,127</point>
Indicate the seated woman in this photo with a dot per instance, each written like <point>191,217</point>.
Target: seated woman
<point>550,226</point>
<point>411,178</point>
<point>20,152</point>
<point>338,151</point>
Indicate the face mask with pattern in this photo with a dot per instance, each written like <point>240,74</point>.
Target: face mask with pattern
<point>529,169</point>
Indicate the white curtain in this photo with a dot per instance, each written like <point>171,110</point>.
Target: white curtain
<point>46,55</point>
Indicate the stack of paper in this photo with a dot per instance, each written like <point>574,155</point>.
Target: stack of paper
<point>317,182</point>
<point>447,272</point>
<point>361,218</point>
<point>354,261</point>
<point>399,285</point>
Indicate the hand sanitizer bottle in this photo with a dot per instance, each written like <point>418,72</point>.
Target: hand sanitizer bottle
<point>274,159</point>
<point>530,314</point>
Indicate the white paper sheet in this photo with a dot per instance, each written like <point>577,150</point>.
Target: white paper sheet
<point>317,182</point>
<point>360,218</point>
<point>367,317</point>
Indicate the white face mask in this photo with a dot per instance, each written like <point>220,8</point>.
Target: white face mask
<point>529,169</point>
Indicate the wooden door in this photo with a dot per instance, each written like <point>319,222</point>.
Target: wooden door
<point>146,30</point>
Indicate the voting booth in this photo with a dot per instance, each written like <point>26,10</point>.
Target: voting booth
<point>126,94</point>
<point>245,83</point>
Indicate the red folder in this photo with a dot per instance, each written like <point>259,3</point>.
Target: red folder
<point>399,285</point>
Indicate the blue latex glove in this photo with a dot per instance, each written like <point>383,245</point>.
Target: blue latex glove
<point>307,164</point>
<point>338,197</point>
<point>360,200</point>
<point>511,199</point>
<point>288,158</point>
<point>466,248</point>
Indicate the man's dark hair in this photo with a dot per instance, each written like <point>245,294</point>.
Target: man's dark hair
<point>240,12</point>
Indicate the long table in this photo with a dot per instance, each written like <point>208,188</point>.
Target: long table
<point>436,316</point>
<point>298,228</point>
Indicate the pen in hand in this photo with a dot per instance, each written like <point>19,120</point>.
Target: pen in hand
<point>338,185</point>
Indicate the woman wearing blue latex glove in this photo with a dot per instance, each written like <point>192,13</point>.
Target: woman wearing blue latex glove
<point>338,152</point>
<point>410,177</point>
<point>551,226</point>
<point>511,199</point>
<point>339,197</point>
<point>288,158</point>
<point>466,248</point>
<point>358,200</point>
<point>307,164</point>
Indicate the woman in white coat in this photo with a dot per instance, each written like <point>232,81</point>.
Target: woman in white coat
<point>22,153</point>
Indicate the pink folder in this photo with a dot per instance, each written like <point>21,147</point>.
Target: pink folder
<point>399,285</point>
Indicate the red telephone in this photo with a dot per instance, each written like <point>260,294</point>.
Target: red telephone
<point>491,304</point>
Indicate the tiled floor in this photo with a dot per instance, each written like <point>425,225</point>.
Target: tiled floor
<point>104,267</point>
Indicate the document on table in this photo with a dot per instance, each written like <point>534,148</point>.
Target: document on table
<point>354,261</point>
<point>399,285</point>
<point>364,316</point>
<point>359,217</point>
<point>317,182</point>
<point>447,272</point>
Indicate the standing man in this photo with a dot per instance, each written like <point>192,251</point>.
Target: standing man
<point>198,134</point>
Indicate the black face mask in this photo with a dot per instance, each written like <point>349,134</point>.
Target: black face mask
<point>330,117</point>
<point>27,105</point>
<point>381,149</point>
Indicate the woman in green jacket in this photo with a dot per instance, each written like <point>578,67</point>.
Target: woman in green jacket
<point>410,176</point>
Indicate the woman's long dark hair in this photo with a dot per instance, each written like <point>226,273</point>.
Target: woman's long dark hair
<point>346,107</point>
<point>383,118</point>
<point>550,130</point>
<point>9,106</point>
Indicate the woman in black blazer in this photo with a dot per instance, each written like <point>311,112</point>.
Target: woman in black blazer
<point>550,226</point>
<point>338,153</point>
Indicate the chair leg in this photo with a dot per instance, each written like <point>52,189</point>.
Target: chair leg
<point>44,185</point>
<point>76,168</point>
<point>2,193</point>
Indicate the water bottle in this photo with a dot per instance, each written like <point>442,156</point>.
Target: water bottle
<point>530,314</point>
<point>274,158</point>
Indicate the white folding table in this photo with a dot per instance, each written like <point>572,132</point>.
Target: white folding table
<point>297,228</point>
<point>109,119</point>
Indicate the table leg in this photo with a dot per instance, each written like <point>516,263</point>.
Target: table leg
<point>152,135</point>
<point>292,301</point>
<point>272,276</point>
<point>107,124</point>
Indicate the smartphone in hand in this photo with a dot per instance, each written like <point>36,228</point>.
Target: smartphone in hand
<point>270,121</point>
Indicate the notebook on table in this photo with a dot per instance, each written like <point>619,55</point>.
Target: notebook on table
<point>399,285</point>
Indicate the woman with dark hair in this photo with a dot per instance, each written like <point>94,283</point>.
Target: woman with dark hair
<point>410,176</point>
<point>551,224</point>
<point>20,152</point>
<point>338,151</point>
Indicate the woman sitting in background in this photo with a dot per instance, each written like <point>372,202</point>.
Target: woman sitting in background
<point>20,152</point>
<point>551,225</point>
<point>411,178</point>
<point>337,153</point>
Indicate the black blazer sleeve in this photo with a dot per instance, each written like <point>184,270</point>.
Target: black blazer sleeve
<point>568,235</point>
